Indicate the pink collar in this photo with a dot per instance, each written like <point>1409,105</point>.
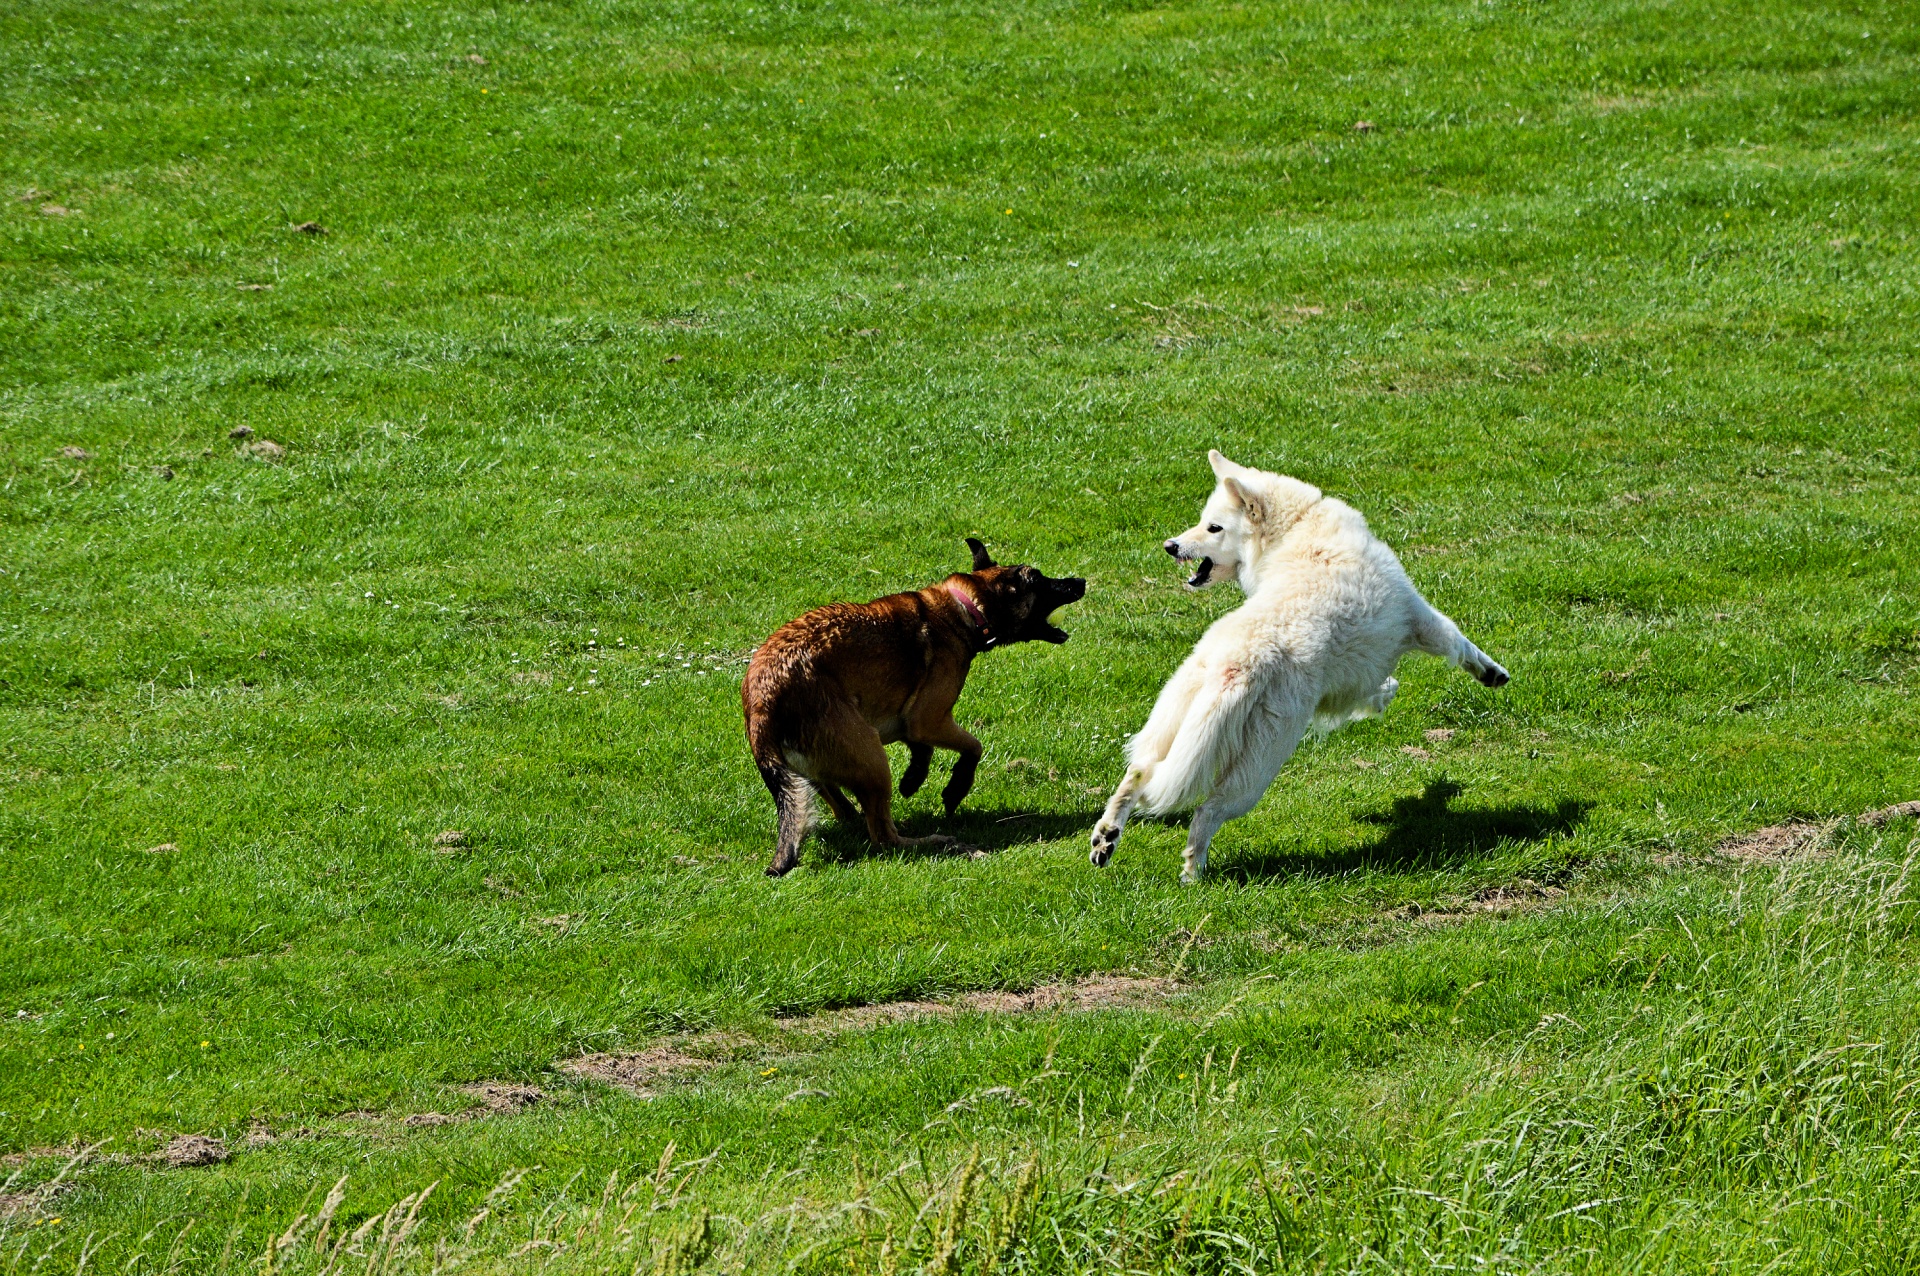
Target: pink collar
<point>972,609</point>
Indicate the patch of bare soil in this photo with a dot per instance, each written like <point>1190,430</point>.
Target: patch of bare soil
<point>1775,842</point>
<point>1887,814</point>
<point>424,1120</point>
<point>500,1097</point>
<point>642,1070</point>
<point>260,1136</point>
<point>189,1150</point>
<point>1799,837</point>
<point>1523,895</point>
<point>1095,992</point>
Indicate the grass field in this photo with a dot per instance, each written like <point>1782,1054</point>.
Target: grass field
<point>626,332</point>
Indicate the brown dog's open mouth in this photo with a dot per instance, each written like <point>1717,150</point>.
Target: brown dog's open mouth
<point>1201,574</point>
<point>1060,592</point>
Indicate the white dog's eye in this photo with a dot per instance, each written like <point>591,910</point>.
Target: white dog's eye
<point>1215,528</point>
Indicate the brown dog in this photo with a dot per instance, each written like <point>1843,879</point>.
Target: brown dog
<point>829,691</point>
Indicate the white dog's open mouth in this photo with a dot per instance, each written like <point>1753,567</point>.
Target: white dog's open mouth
<point>1201,574</point>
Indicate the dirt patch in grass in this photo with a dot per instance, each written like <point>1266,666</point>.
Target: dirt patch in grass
<point>641,1071</point>
<point>1887,814</point>
<point>1523,895</point>
<point>188,1150</point>
<point>644,1072</point>
<point>1801,837</point>
<point>496,1098</point>
<point>1775,842</point>
<point>1095,992</point>
<point>500,1097</point>
<point>16,1203</point>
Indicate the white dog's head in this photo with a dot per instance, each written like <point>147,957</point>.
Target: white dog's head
<point>1247,511</point>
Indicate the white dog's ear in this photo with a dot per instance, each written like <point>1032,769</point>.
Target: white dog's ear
<point>1251,503</point>
<point>1221,465</point>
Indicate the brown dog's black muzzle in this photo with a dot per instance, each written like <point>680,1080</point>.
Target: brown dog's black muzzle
<point>1052,594</point>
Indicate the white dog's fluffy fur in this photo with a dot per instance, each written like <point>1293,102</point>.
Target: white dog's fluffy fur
<point>1329,613</point>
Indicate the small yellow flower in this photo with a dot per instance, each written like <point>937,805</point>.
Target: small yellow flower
<point>769,1072</point>
<point>205,1044</point>
<point>83,1045</point>
<point>1009,212</point>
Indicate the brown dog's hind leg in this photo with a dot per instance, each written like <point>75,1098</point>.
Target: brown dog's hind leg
<point>848,755</point>
<point>919,756</point>
<point>837,802</point>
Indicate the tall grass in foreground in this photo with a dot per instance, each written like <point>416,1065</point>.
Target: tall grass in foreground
<point>1750,1108</point>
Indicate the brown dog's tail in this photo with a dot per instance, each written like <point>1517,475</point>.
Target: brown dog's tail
<point>794,804</point>
<point>761,694</point>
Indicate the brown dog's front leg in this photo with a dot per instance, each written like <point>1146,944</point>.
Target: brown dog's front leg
<point>960,783</point>
<point>837,803</point>
<point>919,756</point>
<point>948,734</point>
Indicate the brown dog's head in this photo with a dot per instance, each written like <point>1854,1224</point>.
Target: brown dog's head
<point>1017,599</point>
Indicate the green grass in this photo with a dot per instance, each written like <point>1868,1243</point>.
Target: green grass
<point>636,330</point>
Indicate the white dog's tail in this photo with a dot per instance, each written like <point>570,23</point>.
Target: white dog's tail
<point>1214,730</point>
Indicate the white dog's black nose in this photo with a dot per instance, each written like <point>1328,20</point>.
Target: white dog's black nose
<point>1172,547</point>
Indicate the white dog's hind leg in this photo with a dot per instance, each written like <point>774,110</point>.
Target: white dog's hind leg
<point>1240,790</point>
<point>1205,823</point>
<point>1438,636</point>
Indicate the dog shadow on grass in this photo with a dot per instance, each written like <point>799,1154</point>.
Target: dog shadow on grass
<point>990,830</point>
<point>1422,832</point>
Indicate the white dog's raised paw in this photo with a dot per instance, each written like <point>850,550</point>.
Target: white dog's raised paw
<point>1105,838</point>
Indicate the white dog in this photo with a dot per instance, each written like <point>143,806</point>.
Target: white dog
<point>1329,613</point>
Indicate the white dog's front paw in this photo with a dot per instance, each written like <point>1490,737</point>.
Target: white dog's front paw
<point>1106,836</point>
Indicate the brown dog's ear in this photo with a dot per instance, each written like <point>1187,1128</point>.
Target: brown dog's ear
<point>1246,498</point>
<point>981,558</point>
